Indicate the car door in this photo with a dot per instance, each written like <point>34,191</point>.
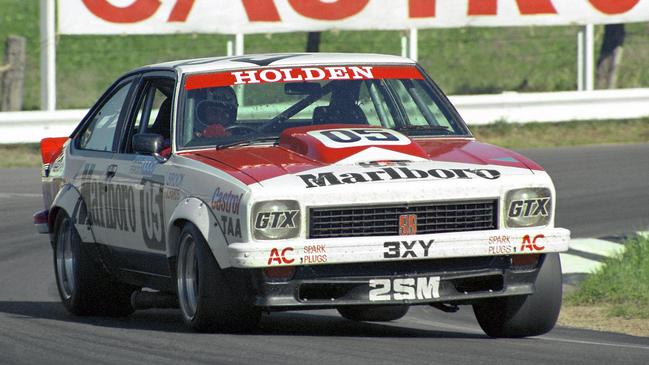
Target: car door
<point>90,165</point>
<point>141,178</point>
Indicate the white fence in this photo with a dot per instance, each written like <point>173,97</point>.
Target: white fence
<point>19,127</point>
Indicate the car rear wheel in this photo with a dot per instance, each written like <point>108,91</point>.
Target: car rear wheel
<point>374,313</point>
<point>207,301</point>
<point>526,315</point>
<point>84,287</point>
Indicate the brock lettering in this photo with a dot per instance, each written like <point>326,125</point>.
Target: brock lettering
<point>389,173</point>
<point>404,289</point>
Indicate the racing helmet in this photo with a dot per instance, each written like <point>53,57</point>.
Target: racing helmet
<point>218,98</point>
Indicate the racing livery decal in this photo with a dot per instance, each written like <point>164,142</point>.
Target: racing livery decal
<point>404,288</point>
<point>301,74</point>
<point>389,174</point>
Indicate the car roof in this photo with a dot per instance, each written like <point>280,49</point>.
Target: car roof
<point>215,64</point>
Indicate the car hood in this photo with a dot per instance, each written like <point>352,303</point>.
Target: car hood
<point>299,155</point>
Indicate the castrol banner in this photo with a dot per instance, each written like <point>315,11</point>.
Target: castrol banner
<point>272,16</point>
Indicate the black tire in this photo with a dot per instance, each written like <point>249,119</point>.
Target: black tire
<point>374,313</point>
<point>84,287</point>
<point>207,301</point>
<point>525,315</point>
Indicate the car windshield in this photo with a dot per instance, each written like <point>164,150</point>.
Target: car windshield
<point>240,107</point>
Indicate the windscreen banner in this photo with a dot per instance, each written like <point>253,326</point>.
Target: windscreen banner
<point>274,16</point>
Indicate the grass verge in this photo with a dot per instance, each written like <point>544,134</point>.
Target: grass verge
<point>621,284</point>
<point>509,135</point>
<point>564,134</point>
<point>20,155</point>
<point>616,297</point>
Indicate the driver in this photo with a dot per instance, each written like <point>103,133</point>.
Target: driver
<point>216,113</point>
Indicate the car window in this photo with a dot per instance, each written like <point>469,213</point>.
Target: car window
<point>99,135</point>
<point>153,110</point>
<point>229,107</point>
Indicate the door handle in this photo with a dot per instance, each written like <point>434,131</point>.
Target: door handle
<point>111,171</point>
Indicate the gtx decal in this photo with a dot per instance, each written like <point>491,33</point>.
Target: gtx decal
<point>343,138</point>
<point>529,207</point>
<point>404,288</point>
<point>275,220</point>
<point>300,74</point>
<point>394,249</point>
<point>389,174</point>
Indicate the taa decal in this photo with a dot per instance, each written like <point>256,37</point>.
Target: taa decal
<point>275,220</point>
<point>404,289</point>
<point>344,138</point>
<point>403,249</point>
<point>279,257</point>
<point>391,173</point>
<point>532,244</point>
<point>529,208</point>
<point>407,224</point>
<point>231,226</point>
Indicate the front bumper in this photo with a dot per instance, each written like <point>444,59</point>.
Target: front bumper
<point>457,281</point>
<point>399,248</point>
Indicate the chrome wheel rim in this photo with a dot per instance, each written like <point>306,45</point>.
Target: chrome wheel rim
<point>188,277</point>
<point>66,263</point>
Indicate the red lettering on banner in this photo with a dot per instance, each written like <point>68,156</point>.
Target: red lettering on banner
<point>138,11</point>
<point>261,10</point>
<point>181,10</point>
<point>280,258</point>
<point>267,75</point>
<point>526,7</point>
<point>317,9</point>
<point>614,7</point>
<point>421,8</point>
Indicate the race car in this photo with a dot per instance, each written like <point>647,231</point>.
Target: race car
<point>233,186</point>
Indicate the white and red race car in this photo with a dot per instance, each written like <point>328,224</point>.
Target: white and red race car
<point>232,186</point>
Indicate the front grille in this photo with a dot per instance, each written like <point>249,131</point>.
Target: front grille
<point>438,217</point>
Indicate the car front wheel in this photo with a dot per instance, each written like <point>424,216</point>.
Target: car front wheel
<point>207,301</point>
<point>525,315</point>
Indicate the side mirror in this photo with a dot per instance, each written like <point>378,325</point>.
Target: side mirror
<point>148,144</point>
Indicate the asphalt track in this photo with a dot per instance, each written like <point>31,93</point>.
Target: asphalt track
<point>602,191</point>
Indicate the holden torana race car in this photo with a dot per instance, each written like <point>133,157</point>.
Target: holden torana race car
<point>232,186</point>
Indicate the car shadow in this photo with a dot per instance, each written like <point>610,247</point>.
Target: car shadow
<point>276,324</point>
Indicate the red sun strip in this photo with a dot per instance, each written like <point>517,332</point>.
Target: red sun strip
<point>297,74</point>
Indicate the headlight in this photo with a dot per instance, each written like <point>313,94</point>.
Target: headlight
<point>531,207</point>
<point>276,219</point>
